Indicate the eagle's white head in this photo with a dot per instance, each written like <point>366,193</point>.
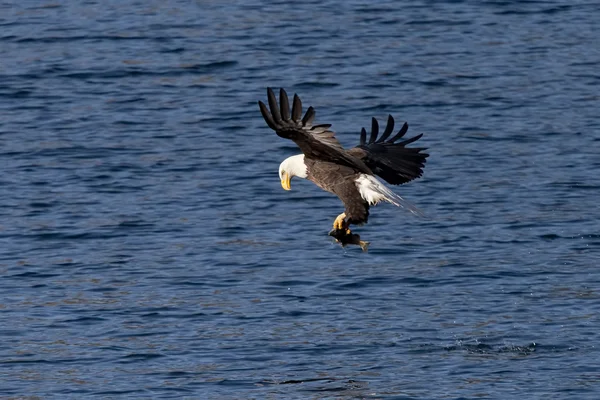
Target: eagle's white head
<point>290,167</point>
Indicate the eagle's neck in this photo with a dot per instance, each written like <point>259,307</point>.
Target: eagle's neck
<point>295,166</point>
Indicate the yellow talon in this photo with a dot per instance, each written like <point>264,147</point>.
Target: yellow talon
<point>339,222</point>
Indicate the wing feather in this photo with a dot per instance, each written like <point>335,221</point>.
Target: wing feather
<point>374,130</point>
<point>394,162</point>
<point>267,115</point>
<point>309,117</point>
<point>322,128</point>
<point>284,104</point>
<point>273,105</point>
<point>296,108</point>
<point>363,136</point>
<point>400,133</point>
<point>317,141</point>
<point>389,128</point>
<point>411,140</point>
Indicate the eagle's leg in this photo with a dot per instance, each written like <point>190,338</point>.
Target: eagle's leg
<point>342,234</point>
<point>340,224</point>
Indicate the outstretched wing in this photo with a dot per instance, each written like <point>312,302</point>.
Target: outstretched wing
<point>315,141</point>
<point>394,162</point>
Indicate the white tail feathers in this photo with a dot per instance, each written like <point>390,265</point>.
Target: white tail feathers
<point>373,191</point>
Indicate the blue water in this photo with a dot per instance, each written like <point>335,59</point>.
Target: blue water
<point>147,249</point>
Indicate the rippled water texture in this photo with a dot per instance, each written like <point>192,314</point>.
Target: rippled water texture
<point>147,249</point>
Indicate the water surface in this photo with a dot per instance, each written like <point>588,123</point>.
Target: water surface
<point>148,251</point>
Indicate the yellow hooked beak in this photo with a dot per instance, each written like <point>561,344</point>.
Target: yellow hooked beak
<point>285,181</point>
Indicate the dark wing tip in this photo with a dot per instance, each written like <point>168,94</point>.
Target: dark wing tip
<point>267,115</point>
<point>409,141</point>
<point>284,104</point>
<point>270,92</point>
<point>363,137</point>
<point>309,116</point>
<point>374,130</point>
<point>296,108</point>
<point>389,128</point>
<point>321,126</point>
<point>273,105</point>
<point>400,133</point>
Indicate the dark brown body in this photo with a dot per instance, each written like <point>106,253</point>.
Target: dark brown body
<point>340,180</point>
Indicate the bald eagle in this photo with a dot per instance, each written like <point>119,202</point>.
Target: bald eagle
<point>349,174</point>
